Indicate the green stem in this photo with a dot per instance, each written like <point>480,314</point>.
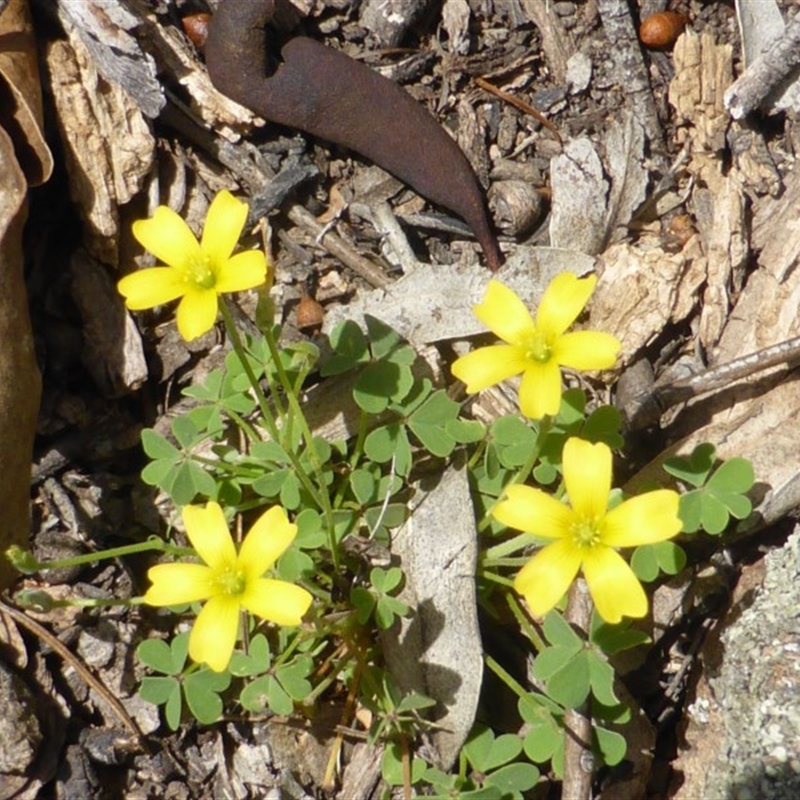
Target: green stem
<point>31,565</point>
<point>501,550</point>
<point>296,413</point>
<point>545,424</point>
<point>238,347</point>
<point>39,599</point>
<point>319,493</point>
<point>525,622</point>
<point>504,676</point>
<point>249,430</point>
<point>495,578</point>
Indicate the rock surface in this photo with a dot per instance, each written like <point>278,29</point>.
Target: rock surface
<point>744,724</point>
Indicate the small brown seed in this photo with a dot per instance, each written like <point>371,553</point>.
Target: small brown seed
<point>196,28</point>
<point>662,29</point>
<point>310,313</point>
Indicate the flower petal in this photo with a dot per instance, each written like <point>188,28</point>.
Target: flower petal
<point>614,588</point>
<point>215,632</point>
<point>647,518</point>
<point>276,601</point>
<point>176,584</point>
<point>168,237</point>
<point>152,287</point>
<point>208,532</point>
<point>244,271</point>
<point>504,314</point>
<point>586,350</point>
<point>224,223</point>
<point>587,475</point>
<point>533,511</point>
<point>197,313</point>
<point>487,366</point>
<point>540,390</point>
<point>563,300</point>
<point>265,542</point>
<point>547,576</point>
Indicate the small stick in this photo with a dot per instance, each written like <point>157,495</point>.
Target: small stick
<point>338,247</point>
<point>649,406</point>
<point>578,757</point>
<point>521,105</point>
<point>762,76</point>
<point>88,677</point>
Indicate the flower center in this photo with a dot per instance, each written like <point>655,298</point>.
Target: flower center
<point>199,272</point>
<point>232,581</point>
<point>538,349</point>
<point>585,533</point>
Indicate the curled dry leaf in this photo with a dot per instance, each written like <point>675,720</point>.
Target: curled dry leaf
<point>20,383</point>
<point>19,76</point>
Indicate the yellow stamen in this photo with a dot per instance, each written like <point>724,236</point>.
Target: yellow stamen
<point>200,273</point>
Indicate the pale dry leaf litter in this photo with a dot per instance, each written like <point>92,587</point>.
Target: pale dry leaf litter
<point>438,651</point>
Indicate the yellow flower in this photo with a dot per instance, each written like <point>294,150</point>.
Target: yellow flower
<point>196,271</point>
<point>536,349</point>
<point>229,582</point>
<point>586,534</point>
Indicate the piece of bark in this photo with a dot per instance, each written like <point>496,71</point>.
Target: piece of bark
<point>580,190</point>
<point>660,288</point>
<point>745,719</point>
<point>20,382</point>
<point>754,162</point>
<point>631,72</point>
<point>776,221</point>
<point>455,21</point>
<point>624,161</point>
<point>389,20</point>
<point>105,29</point>
<point>703,70</point>
<point>557,42</point>
<point>107,143</point>
<point>22,108</point>
<point>113,353</point>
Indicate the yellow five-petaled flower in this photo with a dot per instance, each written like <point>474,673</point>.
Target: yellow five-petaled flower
<point>536,348</point>
<point>585,533</point>
<point>228,581</point>
<point>197,272</point>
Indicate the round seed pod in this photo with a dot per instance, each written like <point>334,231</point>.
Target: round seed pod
<point>516,206</point>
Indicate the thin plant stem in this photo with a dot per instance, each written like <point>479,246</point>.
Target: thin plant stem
<point>319,493</point>
<point>501,550</point>
<point>524,622</point>
<point>27,564</point>
<point>506,677</point>
<point>522,474</point>
<point>296,413</point>
<point>238,347</point>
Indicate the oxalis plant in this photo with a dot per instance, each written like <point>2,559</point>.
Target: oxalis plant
<point>266,571</point>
